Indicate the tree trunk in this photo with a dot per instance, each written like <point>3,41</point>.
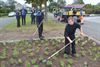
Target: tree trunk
<point>46,11</point>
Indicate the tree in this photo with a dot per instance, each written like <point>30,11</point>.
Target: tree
<point>39,3</point>
<point>2,4</point>
<point>61,2</point>
<point>10,4</point>
<point>53,6</point>
<point>78,2</point>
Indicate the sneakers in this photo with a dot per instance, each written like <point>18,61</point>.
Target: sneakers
<point>41,38</point>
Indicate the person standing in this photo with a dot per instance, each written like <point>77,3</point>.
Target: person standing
<point>32,16</point>
<point>70,35</point>
<point>18,18</point>
<point>81,16</point>
<point>23,14</point>
<point>75,16</point>
<point>39,19</point>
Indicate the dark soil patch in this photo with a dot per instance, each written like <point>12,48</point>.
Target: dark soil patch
<point>25,54</point>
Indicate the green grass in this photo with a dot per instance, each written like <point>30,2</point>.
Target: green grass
<point>48,26</point>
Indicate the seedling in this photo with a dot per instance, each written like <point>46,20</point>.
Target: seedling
<point>47,49</point>
<point>90,53</point>
<point>68,65</point>
<point>36,66</point>
<point>20,61</point>
<point>65,56</point>
<point>46,53</point>
<point>15,53</point>
<point>24,52</point>
<point>31,54</point>
<point>33,61</point>
<point>78,55</point>
<point>83,53</point>
<point>41,58</point>
<point>3,54</point>
<point>28,64</point>
<point>49,63</point>
<point>12,61</point>
<point>70,61</point>
<point>62,64</point>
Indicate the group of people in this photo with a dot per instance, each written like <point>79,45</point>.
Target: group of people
<point>21,14</point>
<point>70,28</point>
<point>62,16</point>
<point>36,16</point>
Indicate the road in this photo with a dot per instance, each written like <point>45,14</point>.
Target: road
<point>92,27</point>
<point>5,20</point>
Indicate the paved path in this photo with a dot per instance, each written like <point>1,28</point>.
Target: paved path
<point>6,20</point>
<point>92,27</point>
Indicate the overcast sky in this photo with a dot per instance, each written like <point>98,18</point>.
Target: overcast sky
<point>94,2</point>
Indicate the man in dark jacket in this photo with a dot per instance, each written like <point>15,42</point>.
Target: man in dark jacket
<point>18,18</point>
<point>70,35</point>
<point>23,14</point>
<point>39,19</point>
<point>32,16</point>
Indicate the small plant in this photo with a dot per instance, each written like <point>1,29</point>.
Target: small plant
<point>41,58</point>
<point>83,53</point>
<point>33,61</point>
<point>12,61</point>
<point>70,61</point>
<point>20,61</point>
<point>24,52</point>
<point>31,54</point>
<point>90,52</point>
<point>49,63</point>
<point>46,53</point>
<point>68,65</point>
<point>29,50</point>
<point>15,53</point>
<point>82,48</point>
<point>78,55</point>
<point>62,64</point>
<point>3,54</point>
<point>36,66</point>
<point>28,64</point>
<point>65,56</point>
<point>47,49</point>
<point>37,50</point>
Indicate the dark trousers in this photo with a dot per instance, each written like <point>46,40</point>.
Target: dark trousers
<point>71,46</point>
<point>40,29</point>
<point>32,19</point>
<point>18,21</point>
<point>23,20</point>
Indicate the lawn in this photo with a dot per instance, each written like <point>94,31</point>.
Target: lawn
<point>48,26</point>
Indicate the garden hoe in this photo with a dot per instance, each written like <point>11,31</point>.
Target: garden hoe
<point>31,38</point>
<point>45,60</point>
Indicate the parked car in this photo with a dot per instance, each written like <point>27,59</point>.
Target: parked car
<point>11,14</point>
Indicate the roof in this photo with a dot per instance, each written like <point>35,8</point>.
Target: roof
<point>75,6</point>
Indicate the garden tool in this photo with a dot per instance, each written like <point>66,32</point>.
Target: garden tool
<point>45,60</point>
